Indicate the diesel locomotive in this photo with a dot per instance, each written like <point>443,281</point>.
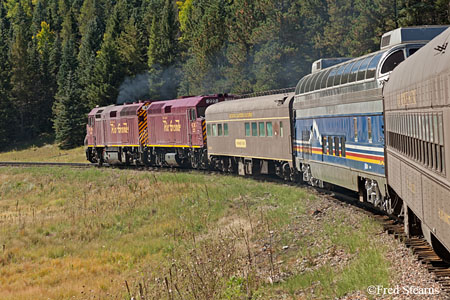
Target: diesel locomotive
<point>329,131</point>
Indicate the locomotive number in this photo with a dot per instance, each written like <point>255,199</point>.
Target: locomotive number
<point>211,101</point>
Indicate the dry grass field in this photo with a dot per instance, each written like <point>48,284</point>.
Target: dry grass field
<point>117,234</point>
<point>45,153</point>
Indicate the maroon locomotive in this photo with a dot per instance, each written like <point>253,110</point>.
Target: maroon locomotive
<point>117,133</point>
<point>162,133</point>
<point>177,131</point>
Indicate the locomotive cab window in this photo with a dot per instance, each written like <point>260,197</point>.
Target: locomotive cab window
<point>192,116</point>
<point>201,112</point>
<point>113,114</point>
<point>168,109</point>
<point>392,61</point>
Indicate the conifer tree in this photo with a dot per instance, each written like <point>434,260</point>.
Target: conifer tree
<point>69,112</point>
<point>7,120</point>
<point>107,75</point>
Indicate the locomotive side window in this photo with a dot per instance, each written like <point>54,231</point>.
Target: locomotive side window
<point>262,129</point>
<point>247,129</point>
<point>254,129</point>
<point>369,129</point>
<point>392,61</point>
<point>208,130</point>
<point>219,129</point>
<point>281,129</point>
<point>113,114</point>
<point>225,129</point>
<point>269,129</point>
<point>168,109</point>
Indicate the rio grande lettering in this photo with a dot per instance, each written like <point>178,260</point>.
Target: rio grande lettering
<point>170,127</point>
<point>119,128</point>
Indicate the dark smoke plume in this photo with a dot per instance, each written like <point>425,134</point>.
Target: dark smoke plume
<point>134,89</point>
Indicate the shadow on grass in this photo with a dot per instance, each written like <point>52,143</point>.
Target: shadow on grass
<point>40,141</point>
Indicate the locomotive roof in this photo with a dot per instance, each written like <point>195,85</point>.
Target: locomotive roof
<point>430,61</point>
<point>119,108</point>
<point>256,103</point>
<point>183,102</point>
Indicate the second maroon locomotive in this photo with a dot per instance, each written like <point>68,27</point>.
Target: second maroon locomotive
<point>161,133</point>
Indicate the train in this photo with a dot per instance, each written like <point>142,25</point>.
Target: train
<point>373,124</point>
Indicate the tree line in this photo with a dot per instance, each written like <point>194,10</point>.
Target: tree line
<point>60,58</point>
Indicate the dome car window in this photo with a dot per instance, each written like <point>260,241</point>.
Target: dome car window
<point>319,80</point>
<point>373,65</point>
<point>331,77</point>
<point>363,68</point>
<point>337,78</point>
<point>344,78</point>
<point>323,84</point>
<point>354,71</point>
<point>392,61</point>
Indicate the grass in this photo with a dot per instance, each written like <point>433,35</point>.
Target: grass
<point>83,233</point>
<point>42,149</point>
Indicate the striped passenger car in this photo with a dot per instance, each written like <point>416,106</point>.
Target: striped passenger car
<point>338,112</point>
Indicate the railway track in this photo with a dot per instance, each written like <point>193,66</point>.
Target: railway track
<point>40,164</point>
<point>419,246</point>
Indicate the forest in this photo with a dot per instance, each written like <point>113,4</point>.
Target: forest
<point>61,58</point>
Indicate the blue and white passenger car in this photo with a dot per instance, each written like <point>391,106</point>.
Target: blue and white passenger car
<point>338,116</point>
